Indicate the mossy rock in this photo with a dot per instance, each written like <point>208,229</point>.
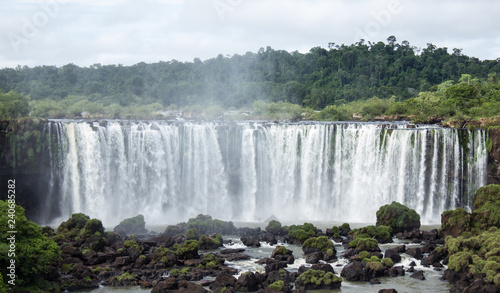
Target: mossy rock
<point>486,208</point>
<point>299,234</point>
<point>77,221</point>
<point>192,234</point>
<point>135,225</point>
<point>454,222</point>
<point>382,233</point>
<point>318,280</point>
<point>188,250</point>
<point>318,244</point>
<point>399,217</point>
<point>204,224</point>
<point>364,242</point>
<point>208,243</point>
<point>92,227</point>
<point>475,255</point>
<point>485,214</point>
<point>274,227</point>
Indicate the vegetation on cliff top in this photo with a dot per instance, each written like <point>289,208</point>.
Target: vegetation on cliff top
<point>368,79</point>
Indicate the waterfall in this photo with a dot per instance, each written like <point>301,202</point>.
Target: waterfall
<point>247,171</point>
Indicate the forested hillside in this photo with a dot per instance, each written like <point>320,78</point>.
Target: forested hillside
<point>334,76</point>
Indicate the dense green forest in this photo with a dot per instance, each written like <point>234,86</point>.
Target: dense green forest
<point>392,78</point>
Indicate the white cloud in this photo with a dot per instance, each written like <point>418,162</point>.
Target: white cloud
<point>111,31</point>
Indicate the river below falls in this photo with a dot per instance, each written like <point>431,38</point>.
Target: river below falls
<point>432,282</point>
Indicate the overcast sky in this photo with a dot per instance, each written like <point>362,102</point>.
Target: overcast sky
<point>85,32</point>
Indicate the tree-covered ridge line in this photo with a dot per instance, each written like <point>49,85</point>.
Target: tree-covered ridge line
<point>340,75</point>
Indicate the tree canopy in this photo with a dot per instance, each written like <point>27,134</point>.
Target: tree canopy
<point>316,79</point>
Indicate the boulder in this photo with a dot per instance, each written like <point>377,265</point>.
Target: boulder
<point>393,254</point>
<point>419,275</point>
<point>250,241</point>
<point>397,271</point>
<point>318,280</point>
<point>281,253</point>
<point>354,271</point>
<point>415,252</point>
<point>223,281</point>
<point>247,282</point>
<point>399,217</point>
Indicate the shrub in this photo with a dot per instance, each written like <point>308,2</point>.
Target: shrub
<point>34,251</point>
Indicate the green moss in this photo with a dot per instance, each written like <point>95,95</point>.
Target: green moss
<point>388,262</point>
<point>299,234</point>
<point>317,278</point>
<point>125,277</point>
<point>274,227</point>
<point>361,242</point>
<point>322,243</point>
<point>375,266</point>
<point>66,268</point>
<point>192,234</point>
<point>131,243</point>
<point>398,217</point>
<point>345,226</point>
<point>364,254</point>
<point>278,285</point>
<point>478,254</point>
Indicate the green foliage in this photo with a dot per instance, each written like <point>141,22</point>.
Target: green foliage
<point>321,243</point>
<point>92,227</point>
<point>339,76</point>
<point>364,254</point>
<point>274,227</point>
<point>13,104</point>
<point>478,254</point>
<point>485,214</point>
<point>486,208</point>
<point>363,242</point>
<point>34,251</point>
<point>77,221</point>
<point>317,278</point>
<point>278,285</point>
<point>398,217</point>
<point>192,234</point>
<point>189,247</point>
<point>381,232</point>
<point>130,243</point>
<point>207,241</point>
<point>278,111</point>
<point>388,262</point>
<point>302,232</point>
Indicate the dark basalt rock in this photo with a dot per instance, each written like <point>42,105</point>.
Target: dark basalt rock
<point>223,281</point>
<point>419,275</point>
<point>393,254</point>
<point>247,282</point>
<point>354,271</point>
<point>250,241</point>
<point>415,252</point>
<point>397,271</point>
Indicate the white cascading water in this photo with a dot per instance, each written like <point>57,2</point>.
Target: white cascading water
<point>170,171</point>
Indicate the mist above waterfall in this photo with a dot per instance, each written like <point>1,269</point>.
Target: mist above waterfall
<point>248,171</point>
